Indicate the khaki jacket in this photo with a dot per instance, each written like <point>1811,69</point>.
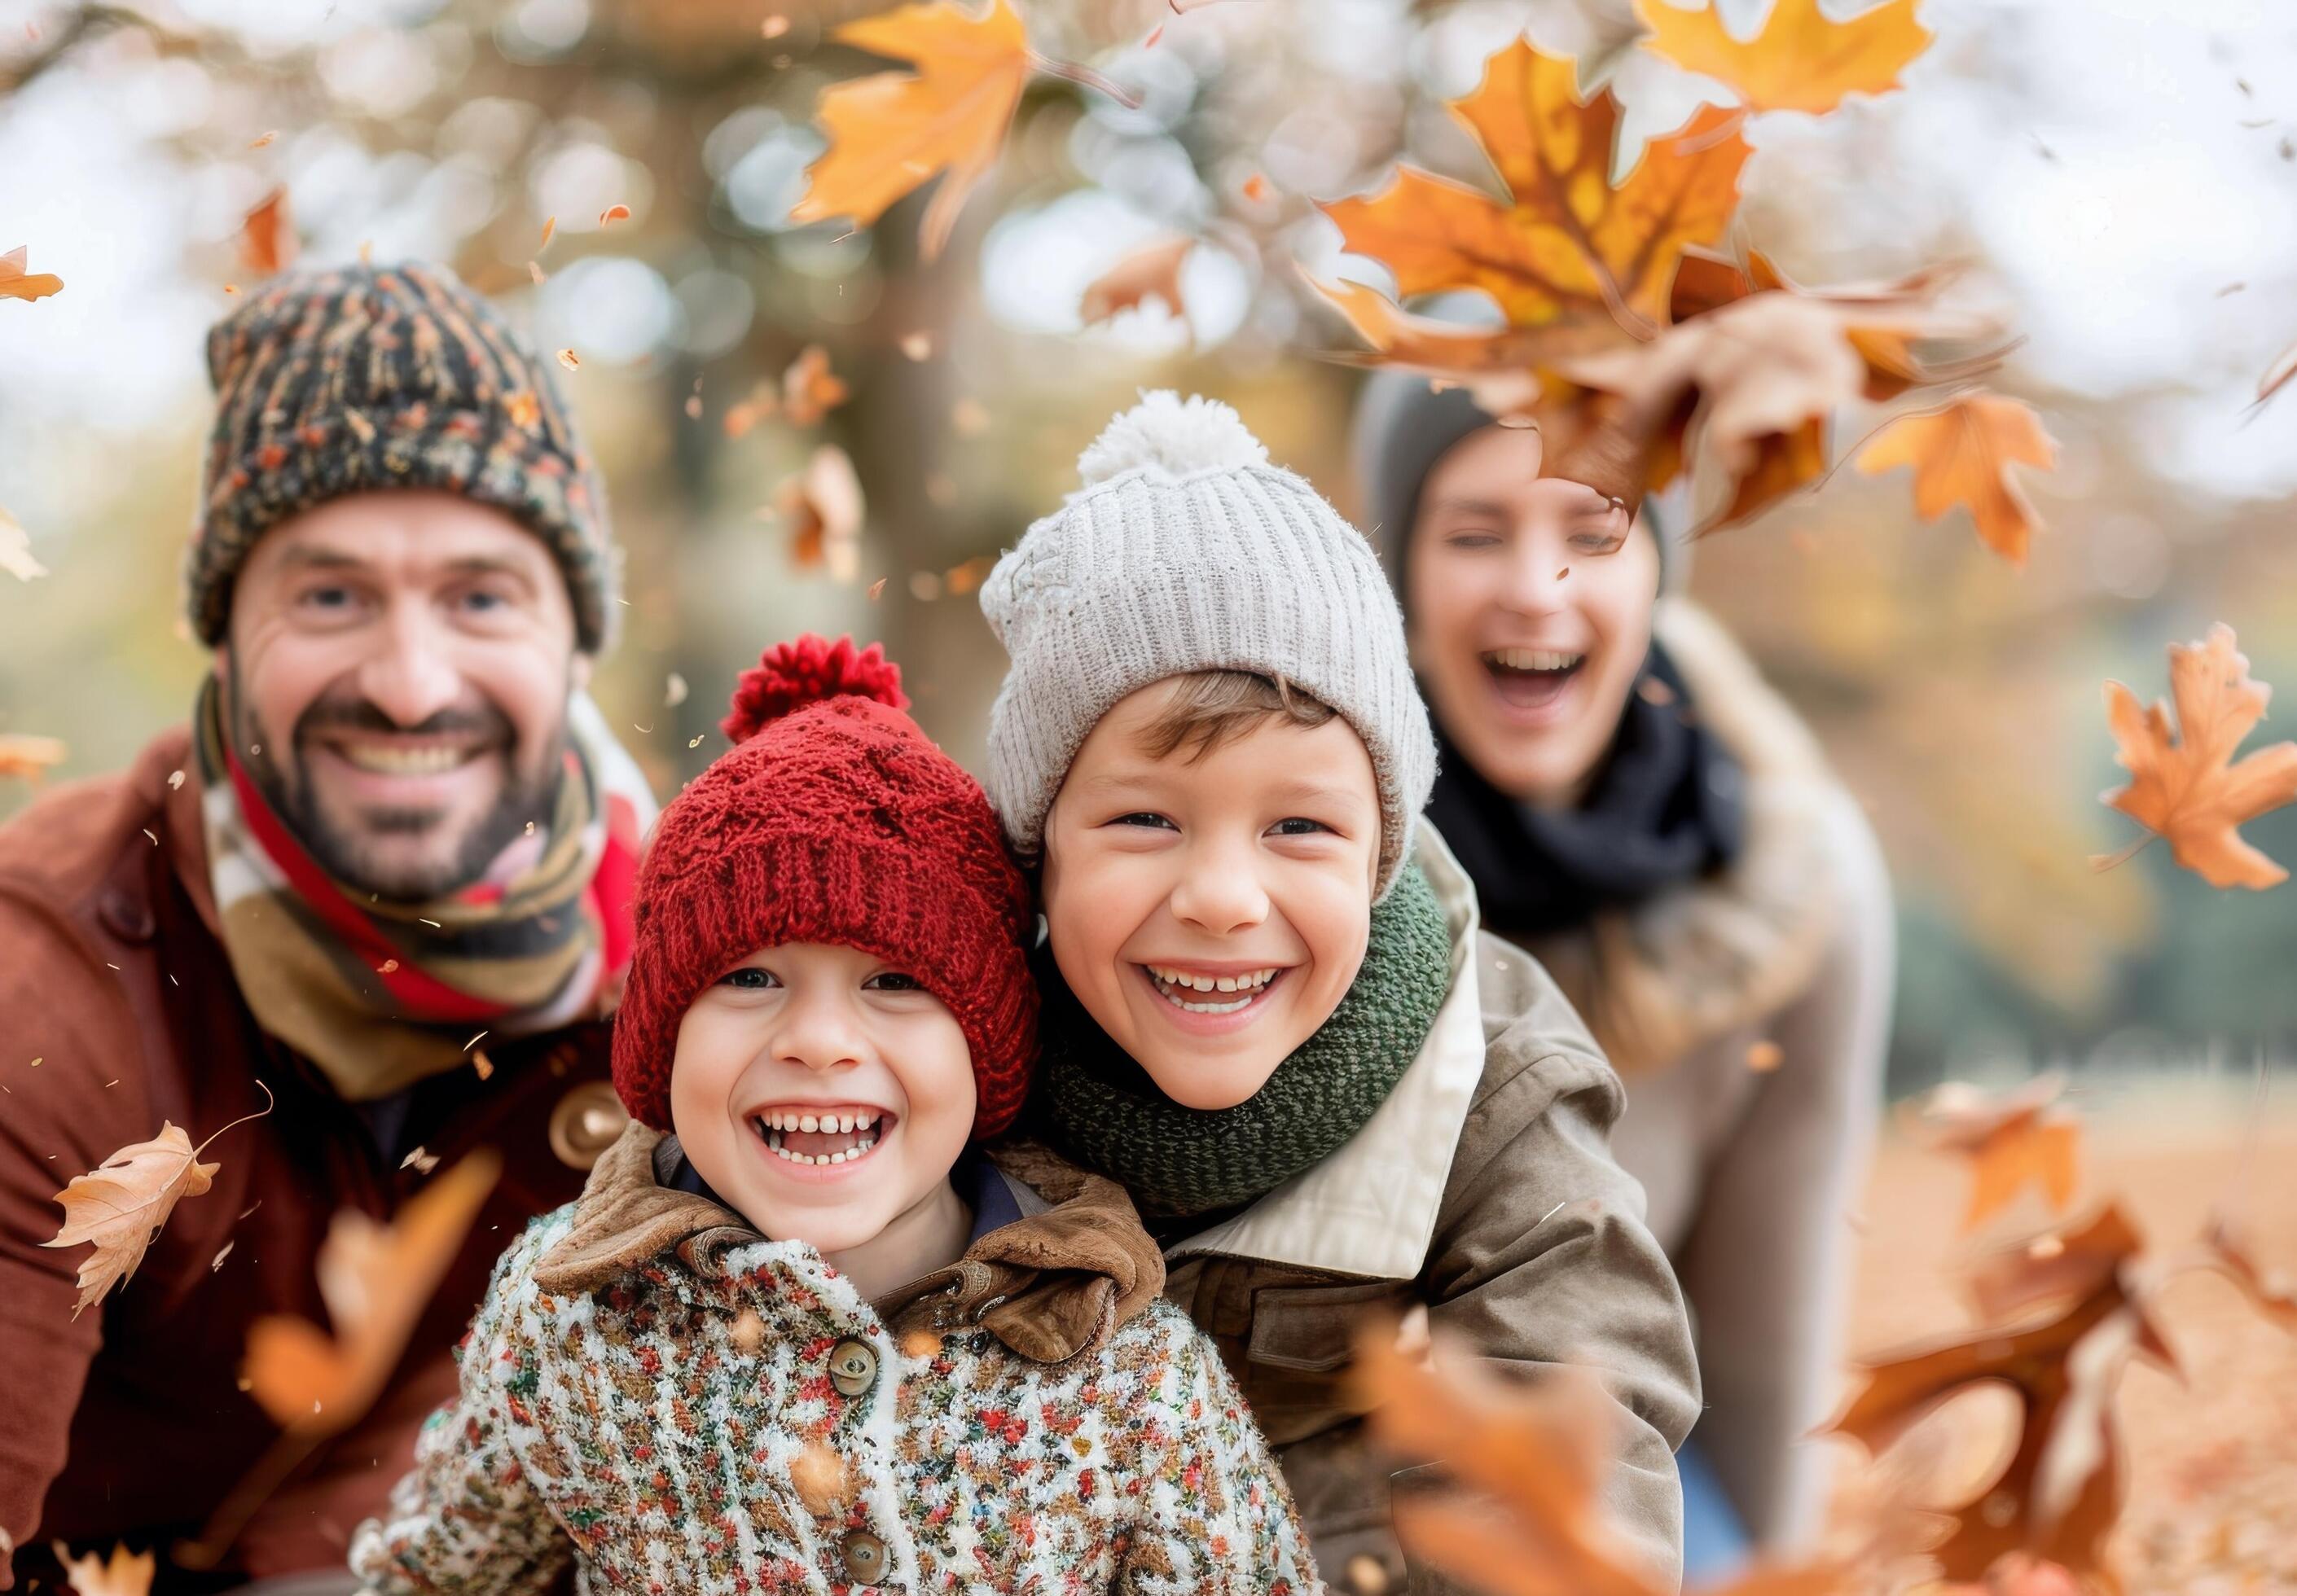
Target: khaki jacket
<point>1483,1187</point>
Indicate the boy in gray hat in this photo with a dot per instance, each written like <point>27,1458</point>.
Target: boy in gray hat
<point>1268,1009</point>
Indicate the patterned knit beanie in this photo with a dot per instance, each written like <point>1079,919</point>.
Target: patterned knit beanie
<point>334,382</point>
<point>833,820</point>
<point>1185,550</point>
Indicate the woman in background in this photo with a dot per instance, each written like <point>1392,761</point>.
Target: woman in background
<point>1641,811</point>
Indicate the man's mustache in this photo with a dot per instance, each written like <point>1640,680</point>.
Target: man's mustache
<point>485,723</point>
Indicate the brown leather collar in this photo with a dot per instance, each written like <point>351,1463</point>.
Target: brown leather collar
<point>1051,1285</point>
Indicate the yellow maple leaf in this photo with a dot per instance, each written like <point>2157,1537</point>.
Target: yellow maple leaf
<point>121,1205</point>
<point>891,132</point>
<point>1568,245</point>
<point>1802,60</point>
<point>1962,455</point>
<point>376,1280</point>
<point>2187,788</point>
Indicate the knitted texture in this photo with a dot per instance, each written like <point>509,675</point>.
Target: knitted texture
<point>836,821</point>
<point>1103,1109</point>
<point>1186,551</point>
<point>683,1428</point>
<point>366,378</point>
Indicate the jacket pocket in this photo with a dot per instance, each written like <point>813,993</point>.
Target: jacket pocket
<point>1312,1328</point>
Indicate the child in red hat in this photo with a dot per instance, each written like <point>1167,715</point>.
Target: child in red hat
<point>809,1339</point>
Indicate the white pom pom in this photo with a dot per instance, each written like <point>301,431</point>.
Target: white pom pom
<point>1174,437</point>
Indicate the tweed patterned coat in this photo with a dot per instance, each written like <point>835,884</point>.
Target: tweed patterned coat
<point>678,1404</point>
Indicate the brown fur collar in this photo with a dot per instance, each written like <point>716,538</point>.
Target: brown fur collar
<point>1051,1285</point>
<point>1669,975</point>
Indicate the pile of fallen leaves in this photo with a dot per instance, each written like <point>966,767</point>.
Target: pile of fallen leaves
<point>2062,1312</point>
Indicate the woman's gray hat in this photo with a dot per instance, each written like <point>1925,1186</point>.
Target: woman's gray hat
<point>1186,551</point>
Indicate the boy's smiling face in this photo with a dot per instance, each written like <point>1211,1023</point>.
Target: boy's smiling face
<point>826,1095</point>
<point>1209,907</point>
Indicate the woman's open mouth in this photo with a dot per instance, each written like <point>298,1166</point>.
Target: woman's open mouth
<point>1205,991</point>
<point>816,1138</point>
<point>1531,678</point>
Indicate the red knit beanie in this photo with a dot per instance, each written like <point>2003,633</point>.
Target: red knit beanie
<point>834,820</point>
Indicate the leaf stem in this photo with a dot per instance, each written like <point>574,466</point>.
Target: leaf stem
<point>2103,862</point>
<point>1086,76</point>
<point>272,1104</point>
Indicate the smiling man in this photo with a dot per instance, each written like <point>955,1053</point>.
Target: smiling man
<point>383,880</point>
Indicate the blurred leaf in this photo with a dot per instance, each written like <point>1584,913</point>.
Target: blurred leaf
<point>1962,455</point>
<point>267,243</point>
<point>119,1574</point>
<point>2186,789</point>
<point>16,550</point>
<point>891,132</point>
<point>822,508</point>
<point>1801,61</point>
<point>810,389</point>
<point>1152,271</point>
<point>2011,1139</point>
<point>28,758</point>
<point>16,283</point>
<point>2229,1251</point>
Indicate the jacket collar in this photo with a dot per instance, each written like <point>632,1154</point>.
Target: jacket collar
<point>1673,974</point>
<point>1370,1208</point>
<point>1051,1285</point>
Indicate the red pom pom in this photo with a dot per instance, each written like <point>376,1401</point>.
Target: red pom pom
<point>810,670</point>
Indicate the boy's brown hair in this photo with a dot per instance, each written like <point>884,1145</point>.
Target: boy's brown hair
<point>1209,708</point>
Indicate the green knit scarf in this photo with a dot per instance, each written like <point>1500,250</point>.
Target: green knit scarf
<point>1102,1109</point>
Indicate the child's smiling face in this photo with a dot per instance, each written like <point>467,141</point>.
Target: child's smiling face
<point>1210,908</point>
<point>824,1094</point>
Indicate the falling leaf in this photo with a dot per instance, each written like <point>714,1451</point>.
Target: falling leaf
<point>810,389</point>
<point>917,346</point>
<point>421,1160</point>
<point>16,550</point>
<point>481,1065</point>
<point>1255,187</point>
<point>1801,61</point>
<point>2183,785</point>
<point>267,239</point>
<point>1566,245</point>
<point>2059,1494</point>
<point>570,360</point>
<point>822,508</point>
<point>222,1253</point>
<point>28,758</point>
<point>611,214</point>
<point>762,405</point>
<point>18,282</point>
<point>121,1205</point>
<point>2279,373</point>
<point>877,589</point>
<point>550,230</point>
<point>1962,455</point>
<point>121,1575</point>
<point>966,578</point>
<point>891,132</point>
<point>1152,271</point>
<point>674,691</point>
<point>263,139</point>
<point>2012,1139</point>
<point>175,781</point>
<point>376,1280</point>
<point>2228,1248</point>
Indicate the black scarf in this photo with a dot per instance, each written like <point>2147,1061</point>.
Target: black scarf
<point>1667,808</point>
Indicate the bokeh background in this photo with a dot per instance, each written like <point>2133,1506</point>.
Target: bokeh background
<point>2120,173</point>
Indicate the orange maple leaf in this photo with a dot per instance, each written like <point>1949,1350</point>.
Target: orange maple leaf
<point>17,283</point>
<point>2185,788</point>
<point>1151,272</point>
<point>1568,245</point>
<point>119,1574</point>
<point>1962,455</point>
<point>891,132</point>
<point>2013,1140</point>
<point>2060,1493</point>
<point>810,389</point>
<point>1801,61</point>
<point>122,1204</point>
<point>267,243</point>
<point>376,1280</point>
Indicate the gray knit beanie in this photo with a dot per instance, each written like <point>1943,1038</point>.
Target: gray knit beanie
<point>1185,550</point>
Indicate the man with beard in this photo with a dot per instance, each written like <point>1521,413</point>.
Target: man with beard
<point>377,893</point>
